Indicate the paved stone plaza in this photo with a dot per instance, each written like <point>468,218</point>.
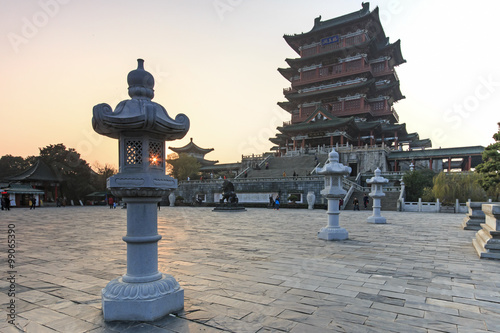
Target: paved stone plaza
<point>255,271</point>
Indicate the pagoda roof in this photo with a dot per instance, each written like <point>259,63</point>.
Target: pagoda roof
<point>362,84</point>
<point>39,171</point>
<point>205,162</point>
<point>368,125</point>
<point>21,189</point>
<point>320,26</point>
<point>192,148</point>
<point>288,106</point>
<point>424,143</point>
<point>332,123</point>
<point>395,48</point>
<point>287,73</point>
<point>394,127</point>
<point>394,86</point>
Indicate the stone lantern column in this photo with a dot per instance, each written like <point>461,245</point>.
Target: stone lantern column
<point>333,191</point>
<point>141,127</point>
<point>377,193</point>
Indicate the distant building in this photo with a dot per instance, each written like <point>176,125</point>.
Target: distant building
<point>207,166</point>
<point>343,86</point>
<point>343,90</point>
<point>39,181</point>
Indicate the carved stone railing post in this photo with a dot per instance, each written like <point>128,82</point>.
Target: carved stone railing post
<point>141,127</point>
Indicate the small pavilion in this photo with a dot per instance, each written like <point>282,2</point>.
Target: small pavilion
<point>40,177</point>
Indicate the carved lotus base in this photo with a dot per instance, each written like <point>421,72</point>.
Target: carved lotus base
<point>141,301</point>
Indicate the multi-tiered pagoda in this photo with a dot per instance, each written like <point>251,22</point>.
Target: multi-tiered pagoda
<point>343,86</point>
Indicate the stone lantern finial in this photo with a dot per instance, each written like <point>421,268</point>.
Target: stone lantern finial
<point>140,82</point>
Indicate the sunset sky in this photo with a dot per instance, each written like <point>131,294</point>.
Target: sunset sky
<point>216,61</point>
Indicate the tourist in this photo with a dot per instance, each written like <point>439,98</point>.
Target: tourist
<point>284,174</point>
<point>33,202</point>
<point>6,203</point>
<point>271,201</point>
<point>355,203</point>
<point>366,201</point>
<point>341,203</point>
<point>110,202</point>
<point>277,203</point>
<point>158,205</point>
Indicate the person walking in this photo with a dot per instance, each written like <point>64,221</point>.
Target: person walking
<point>277,203</point>
<point>110,202</point>
<point>33,202</point>
<point>355,203</point>
<point>366,200</point>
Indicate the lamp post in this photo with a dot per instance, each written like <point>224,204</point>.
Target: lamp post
<point>333,191</point>
<point>377,193</point>
<point>141,127</point>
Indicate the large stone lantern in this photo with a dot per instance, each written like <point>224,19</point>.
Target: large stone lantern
<point>333,191</point>
<point>141,127</point>
<point>377,193</point>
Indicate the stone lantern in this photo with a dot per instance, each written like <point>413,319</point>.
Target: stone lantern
<point>377,193</point>
<point>141,127</point>
<point>333,191</point>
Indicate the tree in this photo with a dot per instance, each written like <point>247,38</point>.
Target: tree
<point>73,170</point>
<point>415,182</point>
<point>184,166</point>
<point>103,172</point>
<point>490,167</point>
<point>13,165</point>
<point>451,186</point>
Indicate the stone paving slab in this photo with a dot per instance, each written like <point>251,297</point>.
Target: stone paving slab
<point>255,271</point>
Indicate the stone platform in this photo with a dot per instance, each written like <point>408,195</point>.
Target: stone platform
<point>262,271</point>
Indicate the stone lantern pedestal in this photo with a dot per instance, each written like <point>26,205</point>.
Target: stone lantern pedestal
<point>333,191</point>
<point>141,127</point>
<point>377,193</point>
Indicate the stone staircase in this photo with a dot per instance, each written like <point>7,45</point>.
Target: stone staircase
<point>302,165</point>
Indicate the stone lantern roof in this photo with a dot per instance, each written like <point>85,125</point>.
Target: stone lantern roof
<point>139,114</point>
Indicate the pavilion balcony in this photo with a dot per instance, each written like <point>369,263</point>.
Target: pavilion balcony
<point>382,68</point>
<point>331,72</point>
<point>340,70</point>
<point>343,43</point>
<point>386,112</point>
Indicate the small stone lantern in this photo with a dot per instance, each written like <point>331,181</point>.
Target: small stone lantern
<point>141,127</point>
<point>377,193</point>
<point>333,191</point>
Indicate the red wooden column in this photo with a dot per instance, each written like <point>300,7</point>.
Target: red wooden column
<point>396,143</point>
<point>303,143</point>
<point>430,163</point>
<point>371,138</point>
<point>449,164</point>
<point>331,140</point>
<point>341,140</point>
<point>395,165</point>
<point>469,163</point>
